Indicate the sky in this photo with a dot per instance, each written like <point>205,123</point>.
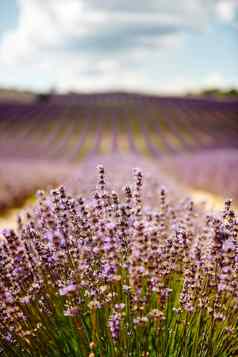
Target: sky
<point>157,46</point>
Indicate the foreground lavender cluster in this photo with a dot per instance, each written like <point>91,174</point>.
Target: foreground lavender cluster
<point>106,277</point>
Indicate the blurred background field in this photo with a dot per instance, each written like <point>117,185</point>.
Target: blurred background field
<point>194,140</point>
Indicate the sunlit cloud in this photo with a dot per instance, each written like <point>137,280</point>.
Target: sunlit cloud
<point>227,10</point>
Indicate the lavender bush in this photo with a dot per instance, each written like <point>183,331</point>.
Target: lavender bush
<point>214,171</point>
<point>104,276</point>
<point>19,179</point>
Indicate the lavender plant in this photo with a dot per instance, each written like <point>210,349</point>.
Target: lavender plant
<point>31,175</point>
<point>106,277</point>
<point>195,170</point>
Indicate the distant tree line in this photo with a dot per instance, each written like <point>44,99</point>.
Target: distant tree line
<point>216,92</point>
<point>45,97</point>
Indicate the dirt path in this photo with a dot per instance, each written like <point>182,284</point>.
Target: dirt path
<point>9,218</point>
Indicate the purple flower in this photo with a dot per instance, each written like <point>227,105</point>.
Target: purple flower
<point>114,325</point>
<point>228,246</point>
<point>67,289</point>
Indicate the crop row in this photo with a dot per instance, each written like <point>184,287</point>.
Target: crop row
<point>37,139</point>
<point>70,132</point>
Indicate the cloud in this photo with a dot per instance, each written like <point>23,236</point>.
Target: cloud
<point>227,10</point>
<point>98,43</point>
<point>93,26</point>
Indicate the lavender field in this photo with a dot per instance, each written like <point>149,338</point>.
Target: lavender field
<point>119,226</point>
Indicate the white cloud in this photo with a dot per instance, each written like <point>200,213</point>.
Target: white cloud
<point>227,10</point>
<point>93,44</point>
